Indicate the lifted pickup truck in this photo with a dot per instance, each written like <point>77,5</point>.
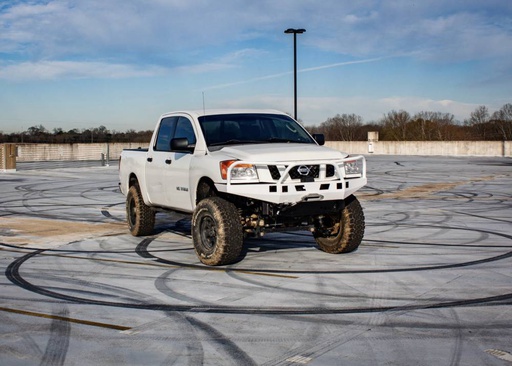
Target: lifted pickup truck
<point>239,173</point>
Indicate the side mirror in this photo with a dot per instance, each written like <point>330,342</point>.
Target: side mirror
<point>181,145</point>
<point>320,138</point>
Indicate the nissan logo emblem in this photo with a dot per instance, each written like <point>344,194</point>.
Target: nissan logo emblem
<point>303,170</point>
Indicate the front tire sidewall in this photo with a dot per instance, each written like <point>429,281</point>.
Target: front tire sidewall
<point>351,229</point>
<point>217,232</point>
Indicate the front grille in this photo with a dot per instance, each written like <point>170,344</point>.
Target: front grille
<point>329,171</point>
<point>313,172</point>
<point>274,172</point>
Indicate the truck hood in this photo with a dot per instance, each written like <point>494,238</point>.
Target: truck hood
<point>282,152</point>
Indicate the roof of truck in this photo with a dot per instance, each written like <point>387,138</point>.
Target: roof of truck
<point>213,112</point>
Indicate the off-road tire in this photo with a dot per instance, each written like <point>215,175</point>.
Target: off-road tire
<point>217,231</point>
<point>140,217</point>
<point>348,231</point>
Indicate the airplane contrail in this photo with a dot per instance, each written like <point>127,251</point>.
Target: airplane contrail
<point>273,76</point>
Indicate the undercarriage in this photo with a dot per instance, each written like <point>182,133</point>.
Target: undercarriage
<point>259,217</point>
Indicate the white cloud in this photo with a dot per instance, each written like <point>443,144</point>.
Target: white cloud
<point>433,31</point>
<point>227,61</point>
<point>126,28</point>
<point>356,19</point>
<point>47,70</point>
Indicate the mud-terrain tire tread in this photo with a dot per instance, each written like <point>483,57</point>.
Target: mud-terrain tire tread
<point>139,216</point>
<point>351,231</point>
<point>225,226</point>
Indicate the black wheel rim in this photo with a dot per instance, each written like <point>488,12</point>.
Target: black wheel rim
<point>208,232</point>
<point>333,229</point>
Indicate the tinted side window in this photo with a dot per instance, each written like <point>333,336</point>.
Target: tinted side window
<point>165,133</point>
<point>184,129</point>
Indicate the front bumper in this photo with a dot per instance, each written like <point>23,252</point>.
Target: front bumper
<point>292,182</point>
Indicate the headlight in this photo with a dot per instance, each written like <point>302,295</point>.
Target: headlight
<point>353,167</point>
<point>239,171</point>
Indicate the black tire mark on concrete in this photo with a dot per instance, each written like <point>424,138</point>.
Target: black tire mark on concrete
<point>142,250</point>
<point>230,349</point>
<point>58,343</point>
<point>194,354</point>
<point>13,275</point>
<point>458,340</point>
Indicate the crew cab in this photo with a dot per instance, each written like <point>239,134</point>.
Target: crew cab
<point>241,173</point>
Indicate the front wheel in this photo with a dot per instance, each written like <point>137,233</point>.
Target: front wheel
<point>342,232</point>
<point>140,217</point>
<point>217,231</point>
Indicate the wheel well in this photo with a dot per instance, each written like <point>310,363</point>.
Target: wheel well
<point>132,181</point>
<point>205,188</point>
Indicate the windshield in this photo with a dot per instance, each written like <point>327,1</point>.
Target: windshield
<point>246,128</point>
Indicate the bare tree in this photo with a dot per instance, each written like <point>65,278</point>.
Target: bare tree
<point>502,121</point>
<point>431,126</point>
<point>394,125</point>
<point>37,130</point>
<point>478,116</point>
<point>344,127</point>
<point>479,123</point>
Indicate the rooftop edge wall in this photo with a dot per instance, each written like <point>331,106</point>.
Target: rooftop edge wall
<point>97,151</point>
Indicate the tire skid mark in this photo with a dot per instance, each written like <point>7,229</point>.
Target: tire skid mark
<point>319,348</point>
<point>194,354</point>
<point>36,197</point>
<point>58,343</point>
<point>458,340</point>
<point>13,275</point>
<point>142,250</point>
<point>162,287</point>
<point>230,348</point>
<point>28,348</point>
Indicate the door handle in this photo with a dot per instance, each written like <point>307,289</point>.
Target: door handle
<point>168,161</point>
<point>149,160</point>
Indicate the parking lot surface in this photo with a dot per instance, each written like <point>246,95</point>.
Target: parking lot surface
<point>431,283</point>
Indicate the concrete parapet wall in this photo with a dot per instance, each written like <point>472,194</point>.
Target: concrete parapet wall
<point>55,152</point>
<point>52,152</point>
<point>449,148</point>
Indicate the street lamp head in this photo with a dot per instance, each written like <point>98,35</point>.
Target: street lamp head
<point>292,30</point>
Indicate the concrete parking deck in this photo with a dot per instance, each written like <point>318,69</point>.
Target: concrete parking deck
<point>430,285</point>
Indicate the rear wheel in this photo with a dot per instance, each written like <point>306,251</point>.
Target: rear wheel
<point>217,232</point>
<point>140,217</point>
<point>341,232</point>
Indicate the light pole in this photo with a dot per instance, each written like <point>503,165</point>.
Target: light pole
<point>295,32</point>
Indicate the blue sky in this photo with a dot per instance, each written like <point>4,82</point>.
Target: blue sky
<point>122,63</point>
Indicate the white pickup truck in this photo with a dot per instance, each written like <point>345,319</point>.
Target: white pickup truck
<point>239,173</point>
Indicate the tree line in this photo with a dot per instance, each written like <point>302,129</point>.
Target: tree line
<point>422,126</point>
<point>393,126</point>
<point>39,134</point>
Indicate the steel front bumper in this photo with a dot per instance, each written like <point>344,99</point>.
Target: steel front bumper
<point>293,182</point>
